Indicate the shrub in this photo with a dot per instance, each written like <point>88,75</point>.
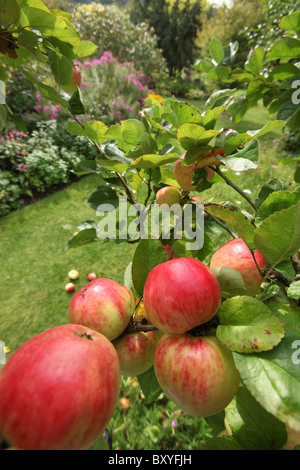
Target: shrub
<point>111,30</point>
<point>38,162</point>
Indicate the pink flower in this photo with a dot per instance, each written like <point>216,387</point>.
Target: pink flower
<point>22,167</point>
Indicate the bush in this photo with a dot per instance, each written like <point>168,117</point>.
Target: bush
<point>38,162</point>
<point>111,30</point>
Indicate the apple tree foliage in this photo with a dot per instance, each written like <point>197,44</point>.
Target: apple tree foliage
<point>136,158</point>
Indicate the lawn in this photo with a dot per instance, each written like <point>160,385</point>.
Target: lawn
<point>34,268</point>
<point>35,264</point>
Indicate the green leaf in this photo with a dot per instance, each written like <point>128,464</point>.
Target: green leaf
<point>286,269</point>
<point>273,377</point>
<point>284,49</point>
<point>218,73</point>
<point>192,135</point>
<point>231,282</point>
<point>75,103</point>
<point>278,236</point>
<point>86,166</point>
<point>244,159</point>
<point>275,202</point>
<point>46,91</point>
<point>247,325</point>
<point>84,49</point>
<point>113,165</point>
<point>184,113</point>
<point>153,161</point>
<point>149,385</point>
<point>273,185</point>
<point>3,116</point>
<point>291,22</point>
<point>61,68</point>
<point>48,24</point>
<point>293,291</point>
<point>216,50</point>
<point>235,219</point>
<point>255,61</point>
<point>103,195</point>
<point>252,426</point>
<point>148,254</point>
<point>95,130</point>
<point>220,98</point>
<point>87,233</point>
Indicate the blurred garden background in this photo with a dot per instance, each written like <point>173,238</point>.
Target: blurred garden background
<point>145,49</point>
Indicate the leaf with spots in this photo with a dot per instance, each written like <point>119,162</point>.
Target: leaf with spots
<point>247,325</point>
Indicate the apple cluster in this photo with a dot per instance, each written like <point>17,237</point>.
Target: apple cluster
<point>59,390</point>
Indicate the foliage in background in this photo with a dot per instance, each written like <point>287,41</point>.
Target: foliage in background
<point>35,163</point>
<point>271,75</point>
<point>268,27</point>
<point>227,24</point>
<point>176,26</point>
<point>111,30</point>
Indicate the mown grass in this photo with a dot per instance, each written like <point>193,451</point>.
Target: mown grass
<point>34,268</point>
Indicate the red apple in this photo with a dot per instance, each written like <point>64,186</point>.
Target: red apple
<point>73,274</point>
<point>59,390</point>
<point>70,287</point>
<point>180,294</point>
<point>136,351</point>
<point>235,254</point>
<point>183,174</point>
<point>75,82</point>
<point>91,276</point>
<point>103,305</point>
<point>168,195</point>
<point>196,373</point>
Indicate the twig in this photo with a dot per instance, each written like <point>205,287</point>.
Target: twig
<point>122,181</point>
<point>234,235</point>
<point>234,186</point>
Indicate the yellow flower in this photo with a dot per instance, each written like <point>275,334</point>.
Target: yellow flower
<point>156,97</point>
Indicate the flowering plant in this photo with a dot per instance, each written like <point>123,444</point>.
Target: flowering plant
<point>112,90</point>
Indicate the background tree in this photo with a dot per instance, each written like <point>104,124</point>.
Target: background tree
<point>176,24</point>
<point>230,24</point>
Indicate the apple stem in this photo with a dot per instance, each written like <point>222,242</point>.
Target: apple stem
<point>137,328</point>
<point>84,335</point>
<point>234,186</point>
